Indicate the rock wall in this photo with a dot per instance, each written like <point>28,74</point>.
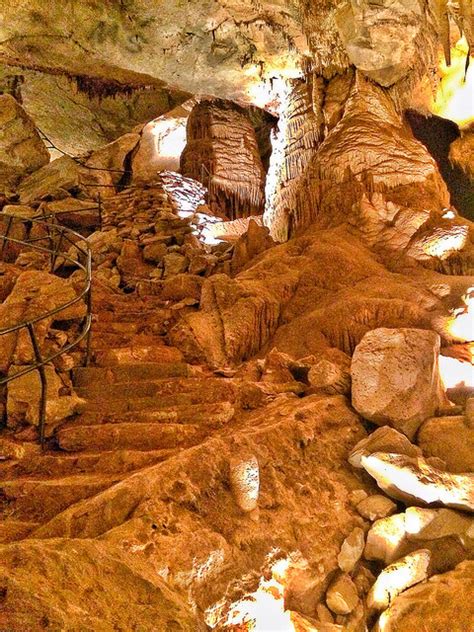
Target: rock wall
<point>222,153</point>
<point>21,149</point>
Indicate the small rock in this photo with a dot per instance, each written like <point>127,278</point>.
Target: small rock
<point>182,286</point>
<point>384,439</point>
<point>351,550</point>
<point>324,614</point>
<point>397,577</point>
<point>356,496</point>
<point>376,507</point>
<point>175,264</point>
<point>245,482</point>
<point>386,539</point>
<point>341,596</point>
<point>155,252</point>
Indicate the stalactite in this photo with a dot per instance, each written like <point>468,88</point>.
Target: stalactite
<point>222,153</point>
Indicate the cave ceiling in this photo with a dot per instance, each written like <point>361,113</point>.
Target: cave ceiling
<point>90,70</point>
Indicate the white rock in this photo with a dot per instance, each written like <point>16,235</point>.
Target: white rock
<point>397,577</point>
<point>414,481</point>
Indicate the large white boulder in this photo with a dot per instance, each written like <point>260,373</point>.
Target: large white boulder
<point>395,377</point>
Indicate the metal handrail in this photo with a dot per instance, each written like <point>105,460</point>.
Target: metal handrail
<point>40,362</point>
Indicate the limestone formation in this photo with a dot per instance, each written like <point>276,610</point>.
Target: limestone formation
<point>222,153</point>
<point>21,149</point>
<point>395,378</point>
<point>209,459</point>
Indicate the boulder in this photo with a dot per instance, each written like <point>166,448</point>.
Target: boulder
<point>415,481</point>
<point>386,539</point>
<point>21,149</point>
<point>450,439</point>
<point>73,213</point>
<point>53,181</point>
<point>395,377</point>
<point>330,373</point>
<point>175,264</point>
<point>443,603</point>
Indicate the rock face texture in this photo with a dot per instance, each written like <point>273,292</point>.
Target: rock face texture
<point>206,469</point>
<point>21,149</point>
<point>222,153</point>
<point>395,377</point>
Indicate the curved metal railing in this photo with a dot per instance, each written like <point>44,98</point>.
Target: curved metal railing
<point>57,236</point>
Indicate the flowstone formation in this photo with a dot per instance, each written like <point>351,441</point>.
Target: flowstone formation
<point>236,344</point>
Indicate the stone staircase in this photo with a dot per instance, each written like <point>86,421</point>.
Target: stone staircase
<point>143,403</point>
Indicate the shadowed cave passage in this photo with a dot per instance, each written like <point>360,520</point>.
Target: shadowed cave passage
<point>437,134</point>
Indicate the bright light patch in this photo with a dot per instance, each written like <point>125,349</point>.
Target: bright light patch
<point>454,99</point>
<point>263,610</point>
<point>449,214</point>
<point>460,324</point>
<point>455,373</point>
<point>441,243</point>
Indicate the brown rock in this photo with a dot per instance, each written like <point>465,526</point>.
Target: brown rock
<point>341,596</point>
<point>351,550</point>
<point>141,598</point>
<point>154,253</point>
<point>175,264</point>
<point>182,286</point>
<point>376,507</point>
<point>395,377</point>
<point>450,439</point>
<point>24,400</point>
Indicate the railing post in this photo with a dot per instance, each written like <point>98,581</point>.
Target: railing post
<point>42,374</point>
<point>89,331</point>
<point>99,203</point>
<point>6,233</point>
<point>57,247</point>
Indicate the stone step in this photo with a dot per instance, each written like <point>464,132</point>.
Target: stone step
<point>209,415</point>
<point>137,353</point>
<point>56,464</point>
<point>13,530</point>
<point>129,436</point>
<point>111,340</point>
<point>39,500</point>
<point>130,372</point>
<point>208,387</point>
